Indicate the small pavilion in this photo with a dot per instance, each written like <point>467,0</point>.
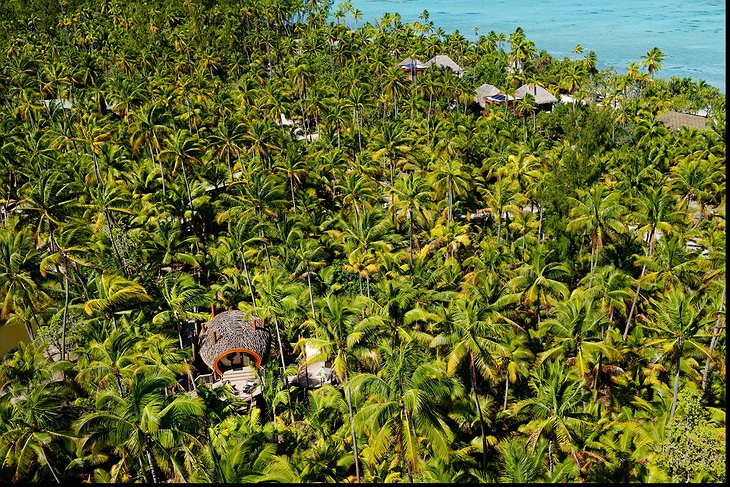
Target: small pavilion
<point>234,347</point>
<point>445,62</point>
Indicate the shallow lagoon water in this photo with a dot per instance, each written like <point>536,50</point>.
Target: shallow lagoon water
<point>690,33</point>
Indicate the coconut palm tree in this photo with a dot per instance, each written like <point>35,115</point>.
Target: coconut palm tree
<point>599,212</point>
<point>469,341</point>
<point>554,410</point>
<point>534,284</point>
<point>144,425</point>
<point>401,405</point>
<point>653,60</point>
<point>679,320</point>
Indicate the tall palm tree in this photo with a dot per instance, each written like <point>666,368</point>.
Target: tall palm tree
<point>402,405</point>
<point>653,60</point>
<point>655,211</point>
<point>600,212</point>
<point>554,410</point>
<point>144,424</point>
<point>679,320</point>
<point>468,341</point>
<point>534,284</point>
<point>411,200</point>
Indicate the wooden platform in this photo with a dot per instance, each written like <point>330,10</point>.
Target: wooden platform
<point>244,382</point>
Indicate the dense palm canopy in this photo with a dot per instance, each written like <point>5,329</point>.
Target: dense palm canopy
<point>498,300</point>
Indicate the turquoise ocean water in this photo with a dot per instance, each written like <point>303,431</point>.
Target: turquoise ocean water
<point>690,32</point>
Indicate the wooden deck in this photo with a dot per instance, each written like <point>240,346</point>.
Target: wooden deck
<point>244,382</point>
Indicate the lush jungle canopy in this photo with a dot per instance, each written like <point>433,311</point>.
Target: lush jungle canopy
<point>506,295</point>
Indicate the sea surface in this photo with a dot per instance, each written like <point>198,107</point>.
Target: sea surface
<point>691,33</point>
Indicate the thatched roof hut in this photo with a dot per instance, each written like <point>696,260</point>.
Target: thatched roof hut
<point>445,62</point>
<point>230,336</point>
<point>677,120</point>
<point>486,91</point>
<point>412,63</point>
<point>542,96</point>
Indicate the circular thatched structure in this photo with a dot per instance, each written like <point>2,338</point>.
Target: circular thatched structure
<point>229,339</point>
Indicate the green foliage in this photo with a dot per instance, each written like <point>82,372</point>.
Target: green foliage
<point>465,274</point>
<point>694,450</point>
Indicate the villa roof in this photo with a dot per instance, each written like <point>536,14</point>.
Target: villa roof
<point>444,61</point>
<point>677,120</point>
<point>485,91</point>
<point>231,331</point>
<point>411,62</point>
<point>542,96</point>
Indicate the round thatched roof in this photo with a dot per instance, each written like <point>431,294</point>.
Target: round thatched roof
<point>229,332</point>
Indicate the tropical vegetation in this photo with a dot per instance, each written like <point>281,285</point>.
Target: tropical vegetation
<point>505,295</point>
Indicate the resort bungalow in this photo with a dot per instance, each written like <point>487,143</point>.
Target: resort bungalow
<point>488,94</point>
<point>676,120</point>
<point>413,66</point>
<point>234,348</point>
<point>543,98</point>
<point>445,62</point>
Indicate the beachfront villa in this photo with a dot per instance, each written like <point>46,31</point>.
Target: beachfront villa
<point>415,66</point>
<point>445,62</point>
<point>489,94</point>
<point>543,98</point>
<point>235,348</point>
<point>676,120</point>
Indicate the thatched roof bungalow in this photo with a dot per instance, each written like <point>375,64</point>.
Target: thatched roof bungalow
<point>230,340</point>
<point>445,62</point>
<point>413,66</point>
<point>542,96</point>
<point>677,120</point>
<point>487,93</point>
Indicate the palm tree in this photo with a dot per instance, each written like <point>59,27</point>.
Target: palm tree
<point>655,211</point>
<point>16,281</point>
<point>411,199</point>
<point>144,424</point>
<point>533,283</point>
<point>335,342</point>
<point>181,294</point>
<point>181,149</point>
<point>573,332</point>
<point>653,60</point>
<point>402,405</point>
<point>473,323</point>
<point>679,320</point>
<point>554,409</point>
<point>33,431</point>
<point>600,213</point>
<point>116,294</point>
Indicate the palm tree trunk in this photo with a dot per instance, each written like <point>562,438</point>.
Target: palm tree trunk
<point>248,278</point>
<point>638,286</point>
<point>410,239</point>
<point>348,394</point>
<point>190,197</point>
<point>311,298</point>
<point>283,367</point>
<point>713,342</point>
<point>506,389</point>
<point>162,170</point>
<point>499,227</point>
<point>550,457</point>
<point>676,381</point>
<point>63,321</point>
<point>451,194</point>
<point>153,470</point>
<point>473,374</point>
<point>291,187</point>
